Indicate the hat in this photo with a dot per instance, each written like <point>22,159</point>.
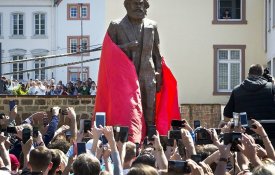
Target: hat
<point>14,162</point>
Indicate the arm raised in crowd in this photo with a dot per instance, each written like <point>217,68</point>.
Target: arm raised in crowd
<point>109,134</point>
<point>188,142</point>
<point>267,143</point>
<point>52,126</point>
<point>4,152</point>
<point>161,159</point>
<point>73,124</point>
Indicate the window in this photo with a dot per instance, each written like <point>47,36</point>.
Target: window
<point>74,73</point>
<point>39,24</point>
<point>17,67</point>
<point>229,12</point>
<point>78,11</point>
<point>273,13</point>
<point>229,65</point>
<point>17,24</point>
<point>1,25</point>
<point>40,74</point>
<point>75,43</point>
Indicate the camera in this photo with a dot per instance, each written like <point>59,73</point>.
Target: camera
<point>177,124</point>
<point>174,134</point>
<point>121,133</point>
<point>267,75</point>
<point>202,137</point>
<point>234,139</point>
<point>175,166</point>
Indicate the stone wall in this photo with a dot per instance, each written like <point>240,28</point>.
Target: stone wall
<point>27,105</point>
<point>208,114</point>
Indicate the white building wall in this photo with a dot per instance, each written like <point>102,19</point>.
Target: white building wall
<point>27,7</point>
<point>270,31</point>
<point>95,28</point>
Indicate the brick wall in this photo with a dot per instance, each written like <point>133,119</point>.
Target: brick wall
<point>208,114</point>
<point>27,105</point>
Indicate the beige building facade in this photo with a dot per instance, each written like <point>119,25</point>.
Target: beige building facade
<point>208,52</point>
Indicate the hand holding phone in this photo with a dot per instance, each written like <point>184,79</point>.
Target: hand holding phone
<point>12,104</point>
<point>151,132</point>
<point>26,135</point>
<point>87,125</point>
<point>100,119</point>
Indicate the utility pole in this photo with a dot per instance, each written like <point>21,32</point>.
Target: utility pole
<point>81,46</point>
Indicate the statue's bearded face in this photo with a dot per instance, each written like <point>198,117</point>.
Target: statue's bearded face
<point>135,9</point>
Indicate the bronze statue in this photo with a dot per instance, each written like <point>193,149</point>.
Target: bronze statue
<point>138,37</point>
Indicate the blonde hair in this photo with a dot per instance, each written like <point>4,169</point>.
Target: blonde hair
<point>267,169</point>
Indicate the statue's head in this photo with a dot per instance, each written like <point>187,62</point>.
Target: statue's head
<point>136,9</point>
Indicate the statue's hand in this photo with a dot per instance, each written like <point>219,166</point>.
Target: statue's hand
<point>159,81</point>
<point>133,45</point>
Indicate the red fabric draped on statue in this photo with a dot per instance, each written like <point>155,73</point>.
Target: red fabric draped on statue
<point>167,106</point>
<point>118,94</point>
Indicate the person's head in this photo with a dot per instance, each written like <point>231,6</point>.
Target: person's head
<point>146,159</point>
<point>40,159</point>
<point>136,9</point>
<point>255,70</point>
<point>264,170</point>
<point>86,164</point>
<point>56,160</point>
<point>64,159</point>
<point>60,143</point>
<point>15,164</point>
<point>141,169</point>
<point>130,152</point>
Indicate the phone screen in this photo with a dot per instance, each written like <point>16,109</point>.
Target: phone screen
<point>243,119</point>
<point>81,148</point>
<point>12,104</point>
<point>151,131</point>
<point>26,135</point>
<point>197,124</point>
<point>123,134</point>
<point>100,119</point>
<point>11,130</point>
<point>87,125</point>
<point>197,158</point>
<point>35,132</point>
<point>175,166</point>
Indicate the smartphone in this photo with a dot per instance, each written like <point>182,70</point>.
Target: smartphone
<point>2,115</point>
<point>100,119</point>
<point>151,132</point>
<point>45,121</point>
<point>123,134</point>
<point>12,104</point>
<point>11,130</point>
<point>87,126</point>
<point>174,134</point>
<point>26,135</point>
<point>81,148</point>
<point>197,124</point>
<point>68,135</point>
<point>197,158</point>
<point>234,139</point>
<point>177,166</point>
<point>104,140</point>
<point>243,119</point>
<point>177,124</point>
<point>164,141</point>
<point>35,132</point>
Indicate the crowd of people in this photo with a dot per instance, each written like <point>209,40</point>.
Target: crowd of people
<point>37,87</point>
<point>40,146</point>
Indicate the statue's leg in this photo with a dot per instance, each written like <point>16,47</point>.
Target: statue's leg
<point>148,93</point>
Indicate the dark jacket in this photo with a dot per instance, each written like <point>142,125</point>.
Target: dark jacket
<point>255,96</point>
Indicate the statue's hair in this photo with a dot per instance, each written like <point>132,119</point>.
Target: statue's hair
<point>146,3</point>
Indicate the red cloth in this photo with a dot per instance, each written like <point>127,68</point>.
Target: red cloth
<point>118,94</point>
<point>167,107</point>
